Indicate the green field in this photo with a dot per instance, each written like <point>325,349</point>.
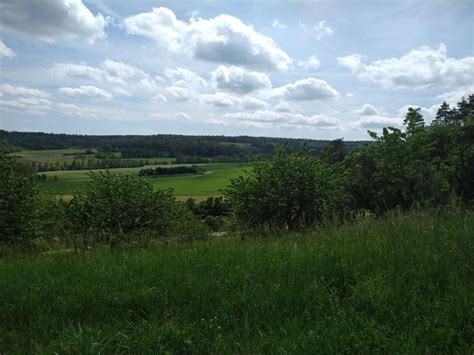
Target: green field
<point>403,284</point>
<point>68,155</point>
<point>215,178</point>
<point>49,155</point>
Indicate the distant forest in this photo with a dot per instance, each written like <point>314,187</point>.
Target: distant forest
<point>240,148</point>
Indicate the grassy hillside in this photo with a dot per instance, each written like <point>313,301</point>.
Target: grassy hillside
<point>403,284</point>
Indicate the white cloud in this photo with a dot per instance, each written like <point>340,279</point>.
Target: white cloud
<point>276,24</point>
<point>223,39</point>
<point>251,103</point>
<point>284,119</point>
<point>160,98</point>
<point>367,110</point>
<point>420,68</point>
<point>455,96</point>
<point>77,111</point>
<point>306,90</point>
<point>148,85</point>
<point>429,113</point>
<point>353,62</point>
<point>12,90</point>
<point>321,30</point>
<point>220,99</point>
<point>284,106</point>
<point>377,122</point>
<point>185,78</point>
<point>172,116</point>
<point>33,105</point>
<point>51,20</point>
<point>120,70</point>
<point>115,72</point>
<point>311,63</point>
<point>216,121</point>
<point>6,52</point>
<point>179,93</point>
<point>85,91</point>
<point>80,70</point>
<point>239,80</point>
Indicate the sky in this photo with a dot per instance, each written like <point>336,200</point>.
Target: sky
<point>302,69</point>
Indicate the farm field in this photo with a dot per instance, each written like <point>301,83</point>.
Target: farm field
<point>68,155</point>
<point>402,284</point>
<point>215,178</point>
<point>49,155</point>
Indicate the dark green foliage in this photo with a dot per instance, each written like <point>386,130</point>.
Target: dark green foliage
<point>175,170</point>
<point>288,192</point>
<point>334,152</point>
<point>424,165</point>
<point>17,200</point>
<point>115,208</point>
<point>402,284</point>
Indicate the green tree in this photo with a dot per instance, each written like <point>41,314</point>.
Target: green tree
<point>288,192</point>
<point>17,202</point>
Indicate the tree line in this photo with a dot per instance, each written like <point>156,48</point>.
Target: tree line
<point>174,170</point>
<point>217,148</point>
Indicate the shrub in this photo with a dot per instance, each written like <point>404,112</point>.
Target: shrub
<point>290,191</point>
<point>114,208</point>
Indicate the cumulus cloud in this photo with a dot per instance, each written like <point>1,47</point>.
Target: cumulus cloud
<point>284,106</point>
<point>251,103</point>
<point>311,63</point>
<point>454,96</point>
<point>321,30</point>
<point>80,70</point>
<point>223,39</point>
<point>85,91</point>
<point>377,122</point>
<point>172,116</point>
<point>12,90</point>
<point>109,70</point>
<point>420,68</point>
<point>216,121</point>
<point>306,90</point>
<point>77,111</point>
<point>277,24</point>
<point>179,93</point>
<point>51,20</point>
<point>120,69</point>
<point>367,110</point>
<point>6,52</point>
<point>353,62</point>
<point>22,99</point>
<point>240,80</point>
<point>27,104</point>
<point>284,119</point>
<point>185,78</point>
<point>220,99</point>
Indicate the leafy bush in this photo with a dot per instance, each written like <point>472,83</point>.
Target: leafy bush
<point>290,191</point>
<point>114,208</point>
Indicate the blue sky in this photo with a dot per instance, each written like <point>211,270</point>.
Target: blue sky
<point>314,69</point>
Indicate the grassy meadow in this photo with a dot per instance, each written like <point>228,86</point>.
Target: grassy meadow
<point>402,284</point>
<point>215,178</point>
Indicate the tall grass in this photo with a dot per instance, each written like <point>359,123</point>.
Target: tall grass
<point>403,284</point>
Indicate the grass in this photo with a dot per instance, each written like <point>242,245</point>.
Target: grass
<point>400,285</point>
<point>215,178</point>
